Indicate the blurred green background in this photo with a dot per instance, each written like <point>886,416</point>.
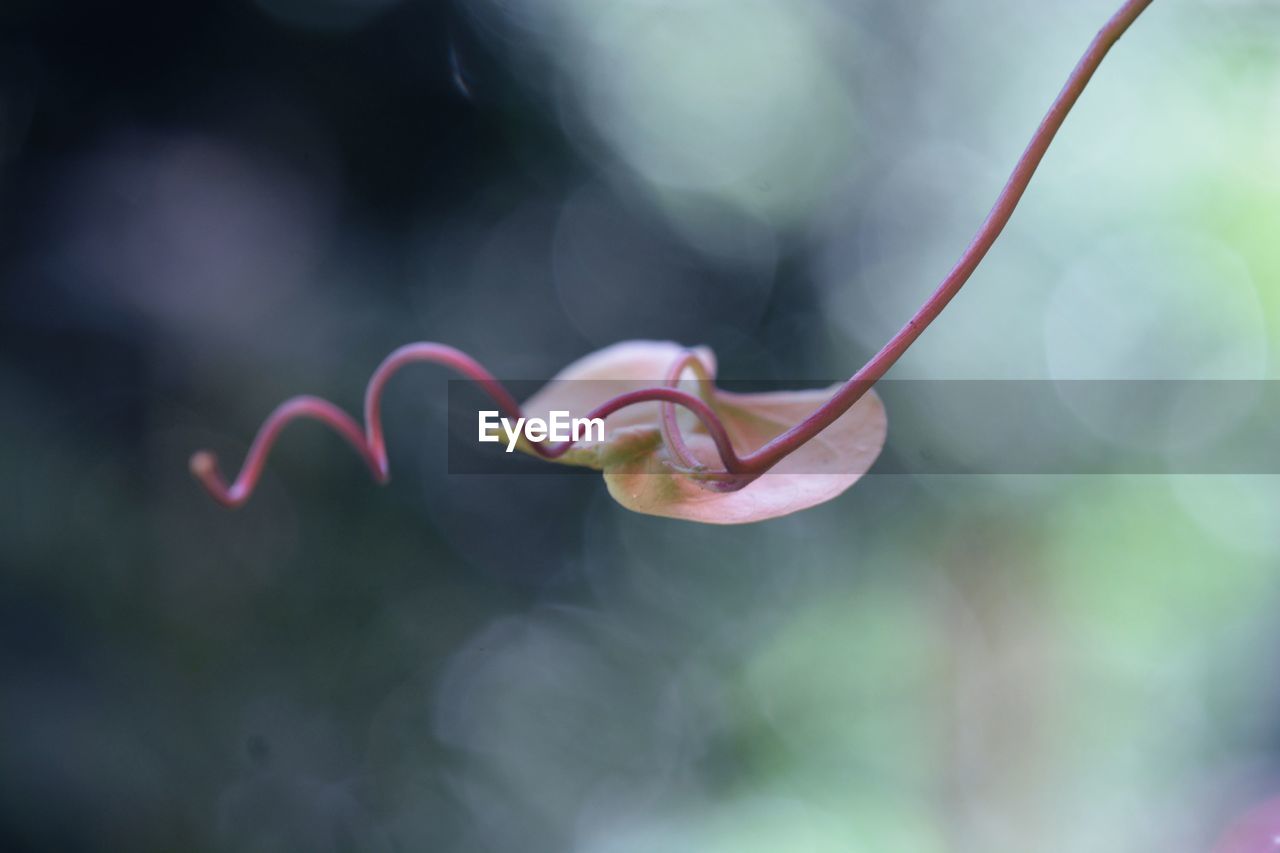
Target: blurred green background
<point>209,207</point>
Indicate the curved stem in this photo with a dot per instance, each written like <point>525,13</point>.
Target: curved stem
<point>775,450</point>
<point>204,464</point>
<point>668,424</point>
<point>702,410</point>
<point>739,471</point>
<point>370,442</point>
<point>432,353</point>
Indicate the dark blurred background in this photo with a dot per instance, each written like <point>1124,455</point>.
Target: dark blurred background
<point>208,207</point>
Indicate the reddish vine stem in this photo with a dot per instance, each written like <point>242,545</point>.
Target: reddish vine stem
<point>775,450</point>
<point>669,426</point>
<point>371,446</point>
<point>370,442</point>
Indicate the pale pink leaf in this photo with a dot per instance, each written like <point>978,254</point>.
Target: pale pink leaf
<point>641,473</point>
<point>650,482</point>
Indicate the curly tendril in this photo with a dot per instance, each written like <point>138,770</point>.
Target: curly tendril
<point>668,424</point>
<point>370,443</point>
<point>738,471</point>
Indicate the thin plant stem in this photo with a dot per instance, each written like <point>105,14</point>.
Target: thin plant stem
<point>669,425</point>
<point>370,442</point>
<point>776,449</point>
